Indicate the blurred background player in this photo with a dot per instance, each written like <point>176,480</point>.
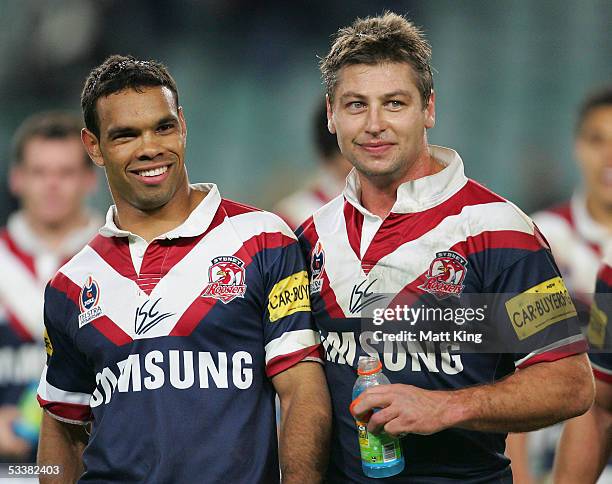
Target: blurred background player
<point>329,179</point>
<point>577,231</point>
<point>586,441</point>
<point>51,177</point>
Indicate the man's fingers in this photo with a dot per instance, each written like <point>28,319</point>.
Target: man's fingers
<point>363,405</point>
<point>394,428</point>
<point>354,413</point>
<point>380,418</point>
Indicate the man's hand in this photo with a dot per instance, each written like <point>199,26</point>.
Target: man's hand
<point>404,409</point>
<point>11,446</point>
<point>529,399</point>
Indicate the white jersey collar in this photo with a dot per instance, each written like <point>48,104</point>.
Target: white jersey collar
<point>197,222</point>
<point>20,231</point>
<point>422,193</point>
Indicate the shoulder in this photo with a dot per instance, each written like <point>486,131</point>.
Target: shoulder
<point>556,221</point>
<point>331,212</point>
<point>322,220</point>
<point>250,221</point>
<point>557,224</point>
<point>6,241</point>
<point>68,277</point>
<point>486,210</point>
<point>297,207</point>
<point>560,211</point>
<point>494,233</point>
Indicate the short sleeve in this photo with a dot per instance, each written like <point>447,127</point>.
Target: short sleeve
<point>289,333</point>
<point>534,314</point>
<point>67,381</point>
<point>598,332</point>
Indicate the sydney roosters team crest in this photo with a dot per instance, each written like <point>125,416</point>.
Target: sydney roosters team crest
<point>88,302</point>
<point>445,275</point>
<point>317,265</point>
<point>226,276</point>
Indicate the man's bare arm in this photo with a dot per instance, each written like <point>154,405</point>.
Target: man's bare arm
<point>586,441</point>
<point>529,399</point>
<point>61,444</point>
<point>518,452</point>
<point>305,422</point>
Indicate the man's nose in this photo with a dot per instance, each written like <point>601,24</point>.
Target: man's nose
<point>149,147</point>
<point>375,121</point>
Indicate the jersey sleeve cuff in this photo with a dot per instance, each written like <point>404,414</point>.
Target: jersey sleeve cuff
<point>66,412</point>
<point>561,349</point>
<point>65,406</point>
<point>284,362</point>
<point>601,373</point>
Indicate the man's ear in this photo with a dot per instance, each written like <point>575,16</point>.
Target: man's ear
<point>92,145</point>
<point>430,111</point>
<point>331,126</point>
<point>183,123</point>
<point>16,180</point>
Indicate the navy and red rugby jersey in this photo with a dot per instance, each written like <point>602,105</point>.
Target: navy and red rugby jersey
<point>577,242</point>
<point>169,348</point>
<point>598,332</point>
<point>446,238</point>
<point>27,265</point>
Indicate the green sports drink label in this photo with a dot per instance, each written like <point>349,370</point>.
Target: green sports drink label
<point>377,449</point>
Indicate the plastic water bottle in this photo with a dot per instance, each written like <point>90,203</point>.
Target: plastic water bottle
<point>381,455</point>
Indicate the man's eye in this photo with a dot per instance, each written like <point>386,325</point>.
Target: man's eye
<point>165,127</point>
<point>594,138</point>
<point>355,105</point>
<point>122,136</point>
<point>395,104</point>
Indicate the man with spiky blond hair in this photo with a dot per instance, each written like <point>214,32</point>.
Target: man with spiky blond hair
<point>411,227</point>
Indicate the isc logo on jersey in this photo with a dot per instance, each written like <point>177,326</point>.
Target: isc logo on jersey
<point>445,275</point>
<point>226,278</point>
<point>317,266</point>
<point>88,302</point>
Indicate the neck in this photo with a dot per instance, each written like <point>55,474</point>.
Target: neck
<point>599,211</point>
<point>150,224</point>
<point>379,194</point>
<point>55,235</point>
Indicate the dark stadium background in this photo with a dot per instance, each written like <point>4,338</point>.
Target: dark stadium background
<point>509,77</point>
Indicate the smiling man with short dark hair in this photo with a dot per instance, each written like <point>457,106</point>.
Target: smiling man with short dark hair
<point>173,330</point>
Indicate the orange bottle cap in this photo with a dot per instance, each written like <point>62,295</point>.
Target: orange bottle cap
<point>376,369</point>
